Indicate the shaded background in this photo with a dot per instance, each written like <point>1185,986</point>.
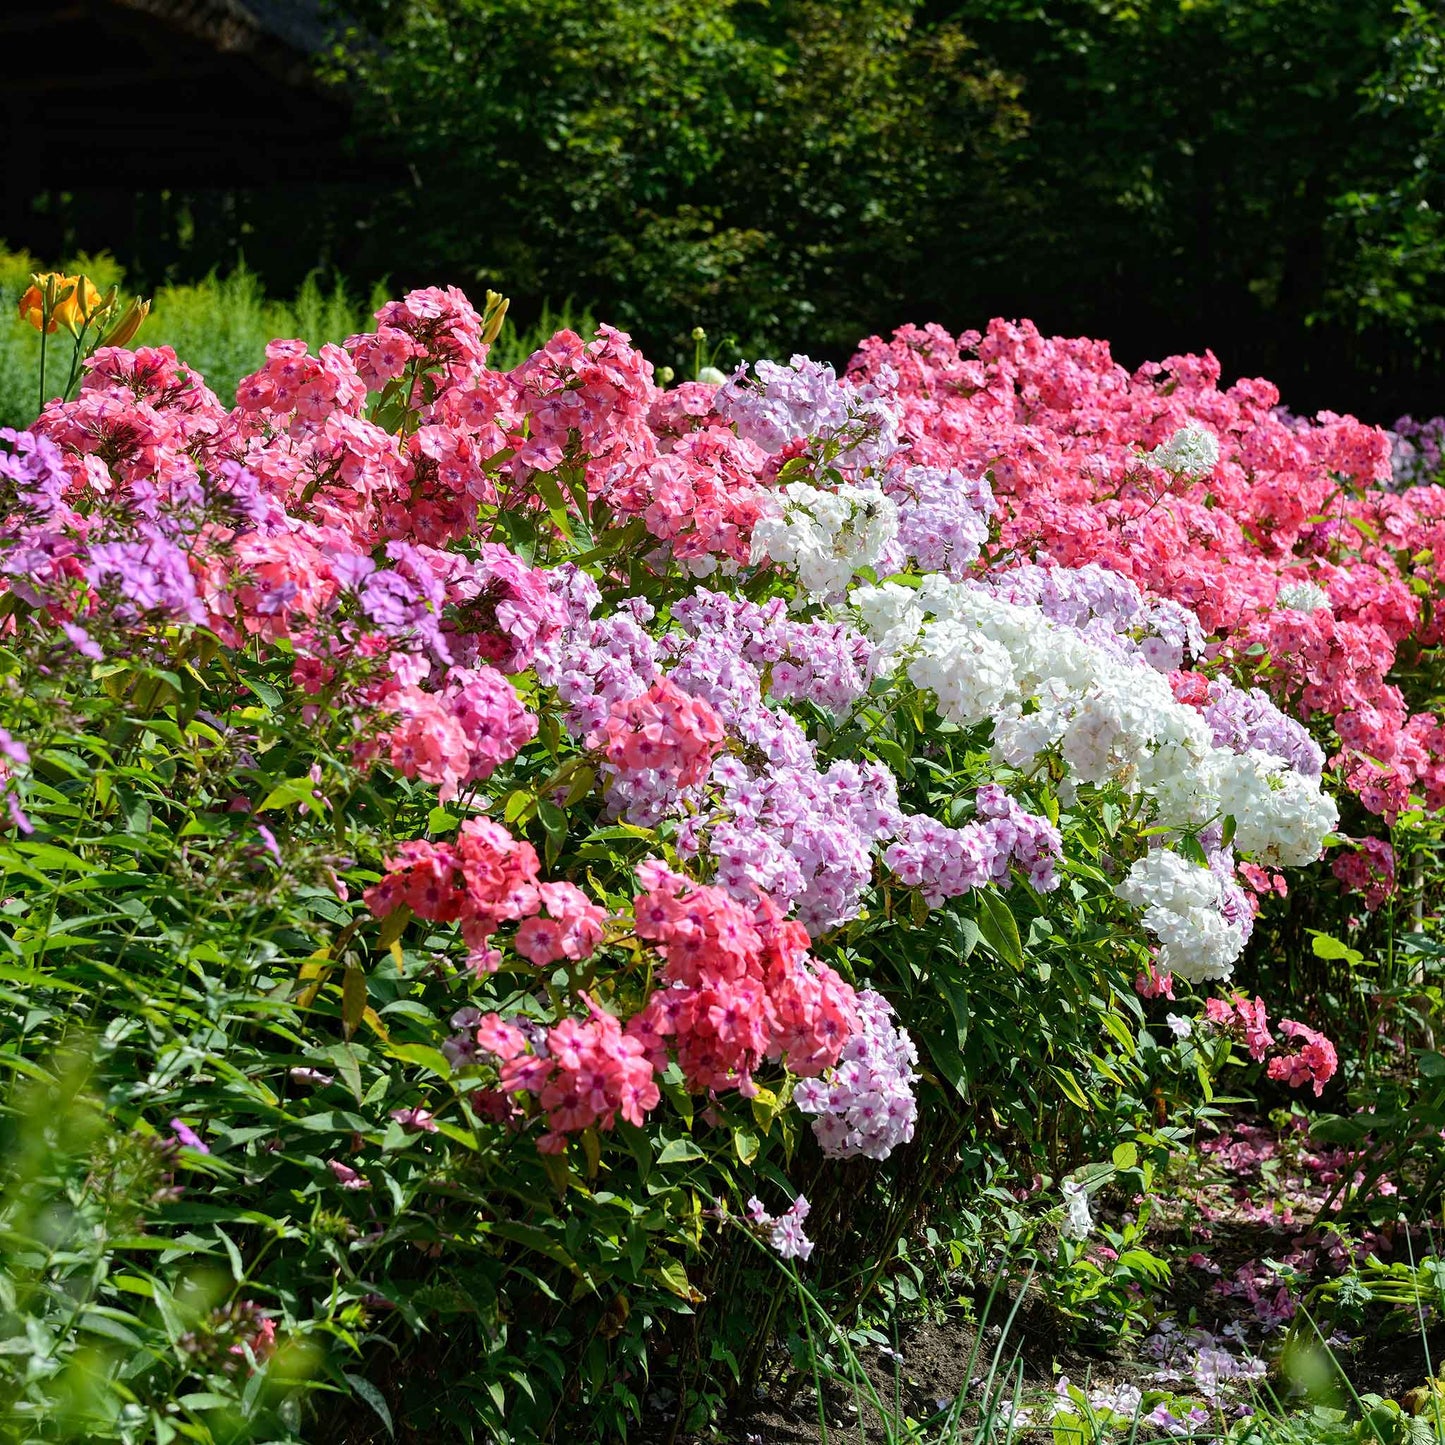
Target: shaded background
<point>1261,177</point>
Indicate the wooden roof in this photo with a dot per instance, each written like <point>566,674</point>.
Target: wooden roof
<point>166,93</point>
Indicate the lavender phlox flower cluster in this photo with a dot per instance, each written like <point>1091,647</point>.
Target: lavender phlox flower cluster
<point>403,602</point>
<point>803,836</point>
<point>785,1231</point>
<point>1417,452</point>
<point>13,754</point>
<point>594,661</point>
<point>857,424</point>
<point>825,663</point>
<point>31,465</point>
<point>864,1105</point>
<point>1236,905</point>
<point>1242,719</point>
<point>1202,1360</point>
<point>145,576</point>
<point>946,862</point>
<point>942,517</point>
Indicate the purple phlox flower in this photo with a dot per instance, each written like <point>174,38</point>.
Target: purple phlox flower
<point>150,574</point>
<point>346,1176</point>
<point>82,641</point>
<point>415,1118</point>
<point>188,1136</point>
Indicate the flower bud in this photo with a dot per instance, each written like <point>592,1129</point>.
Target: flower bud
<point>493,316</point>
<point>123,331</point>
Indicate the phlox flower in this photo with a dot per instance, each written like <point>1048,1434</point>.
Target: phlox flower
<point>1315,1062</point>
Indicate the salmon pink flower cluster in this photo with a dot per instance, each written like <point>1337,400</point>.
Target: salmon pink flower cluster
<point>583,1072</point>
<point>1314,1062</point>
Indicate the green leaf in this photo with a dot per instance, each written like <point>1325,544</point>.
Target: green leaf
<point>999,930</point>
<point>373,1397</point>
<point>353,999</point>
<point>680,1151</point>
<point>1125,1156</point>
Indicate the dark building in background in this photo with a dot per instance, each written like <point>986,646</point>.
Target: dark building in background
<point>177,134</point>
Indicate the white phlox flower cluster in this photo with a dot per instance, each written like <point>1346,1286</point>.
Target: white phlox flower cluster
<point>1193,451</point>
<point>826,537</point>
<point>1280,815</point>
<point>1109,715</point>
<point>1182,905</point>
<point>1077,1223</point>
<point>1301,597</point>
<point>1111,718</point>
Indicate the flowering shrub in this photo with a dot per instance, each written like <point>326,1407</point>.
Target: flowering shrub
<point>530,824</point>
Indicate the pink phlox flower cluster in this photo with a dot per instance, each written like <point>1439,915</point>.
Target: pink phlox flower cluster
<point>946,862</point>
<point>1249,1020</point>
<point>588,400</point>
<point>484,879</point>
<point>1314,1063</point>
<point>572,927</point>
<point>505,610</point>
<point>1367,868</point>
<point>1154,984</point>
<point>784,1231</point>
<point>584,1072</point>
<point>460,735</point>
<point>438,327</point>
<point>1270,1297</point>
<point>865,1104</point>
<point>664,731</point>
<point>305,387</point>
<point>738,986</point>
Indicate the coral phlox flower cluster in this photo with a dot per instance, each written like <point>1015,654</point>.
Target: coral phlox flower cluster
<point>1368,868</point>
<point>663,731</point>
<point>738,987</point>
<point>584,1072</point>
<point>483,880</point>
<point>1249,1020</point>
<point>1314,1062</point>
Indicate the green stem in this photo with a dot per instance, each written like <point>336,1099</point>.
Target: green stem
<point>43,335</point>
